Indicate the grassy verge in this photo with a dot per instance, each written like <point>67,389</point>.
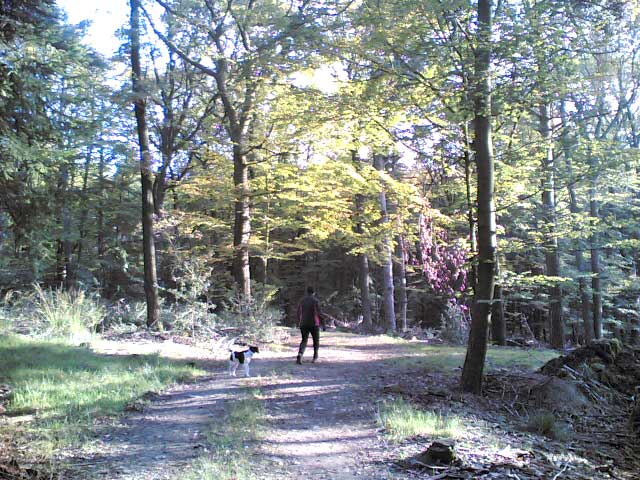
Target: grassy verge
<point>230,443</point>
<point>402,420</point>
<point>65,388</point>
<point>446,358</point>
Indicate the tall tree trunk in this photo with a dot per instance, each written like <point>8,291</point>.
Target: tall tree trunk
<point>63,260</point>
<point>363,277</point>
<point>400,268</point>
<point>470,208</point>
<point>387,265</point>
<point>471,380</point>
<point>239,115</point>
<point>237,127</point>
<point>85,211</point>
<point>160,181</point>
<point>242,222</point>
<point>596,270</point>
<point>100,236</point>
<point>552,255</point>
<point>585,303</point>
<point>146,174</point>
<point>363,264</point>
<point>401,282</point>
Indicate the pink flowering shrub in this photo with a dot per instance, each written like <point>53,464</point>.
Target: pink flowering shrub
<point>443,263</point>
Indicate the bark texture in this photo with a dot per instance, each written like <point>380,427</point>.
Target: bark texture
<point>146,174</point>
<point>596,269</point>
<point>487,248</point>
<point>574,208</point>
<point>552,254</point>
<point>387,259</point>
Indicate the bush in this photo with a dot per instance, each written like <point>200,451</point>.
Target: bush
<point>12,309</point>
<point>255,318</point>
<point>456,324</point>
<point>193,318</point>
<point>72,314</point>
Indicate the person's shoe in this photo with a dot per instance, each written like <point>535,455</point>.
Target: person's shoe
<point>315,360</point>
<point>298,360</point>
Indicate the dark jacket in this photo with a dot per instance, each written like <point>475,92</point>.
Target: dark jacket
<point>309,312</point>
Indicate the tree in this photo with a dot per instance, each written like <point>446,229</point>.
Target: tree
<point>579,244</point>
<point>552,255</point>
<point>253,45</point>
<point>187,106</point>
<point>387,259</point>
<point>146,173</point>
<point>363,258</point>
<point>483,148</point>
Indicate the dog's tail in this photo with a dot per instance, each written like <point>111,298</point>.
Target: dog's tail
<point>230,343</point>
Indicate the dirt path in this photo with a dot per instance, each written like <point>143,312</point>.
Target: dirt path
<point>321,418</point>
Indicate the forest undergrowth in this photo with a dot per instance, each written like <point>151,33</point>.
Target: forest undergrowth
<point>572,414</point>
<point>420,401</point>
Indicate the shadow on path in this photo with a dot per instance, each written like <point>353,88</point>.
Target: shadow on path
<point>321,419</point>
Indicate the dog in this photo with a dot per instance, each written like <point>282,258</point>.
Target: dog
<point>240,357</point>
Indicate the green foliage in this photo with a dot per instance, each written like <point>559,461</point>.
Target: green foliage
<point>448,358</point>
<point>255,319</point>
<point>67,387</point>
<point>70,314</point>
<point>124,314</point>
<point>314,88</point>
<point>402,420</point>
<point>456,323</point>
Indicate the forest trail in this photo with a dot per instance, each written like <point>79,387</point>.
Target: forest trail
<point>320,418</point>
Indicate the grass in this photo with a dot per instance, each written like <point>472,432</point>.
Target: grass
<point>445,358</point>
<point>48,313</point>
<point>231,441</point>
<point>403,420</point>
<point>65,387</point>
<point>545,423</point>
<point>72,314</point>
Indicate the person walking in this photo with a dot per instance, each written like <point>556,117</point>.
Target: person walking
<point>309,321</point>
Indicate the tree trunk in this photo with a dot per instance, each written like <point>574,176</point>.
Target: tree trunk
<point>146,174</point>
<point>261,262</point>
<point>242,222</point>
<point>552,255</point>
<point>160,181</point>
<point>471,380</point>
<point>100,236</point>
<point>387,265</point>
<point>363,263</point>
<point>596,272</point>
<point>401,282</point>
<point>585,304</point>
<point>85,211</point>
<point>470,209</point>
<point>63,256</point>
<point>498,323</point>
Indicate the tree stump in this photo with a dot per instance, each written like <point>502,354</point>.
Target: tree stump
<point>440,452</point>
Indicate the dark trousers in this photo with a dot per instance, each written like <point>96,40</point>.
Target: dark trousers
<point>315,334</point>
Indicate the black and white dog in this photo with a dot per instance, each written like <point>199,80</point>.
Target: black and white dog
<point>240,357</point>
